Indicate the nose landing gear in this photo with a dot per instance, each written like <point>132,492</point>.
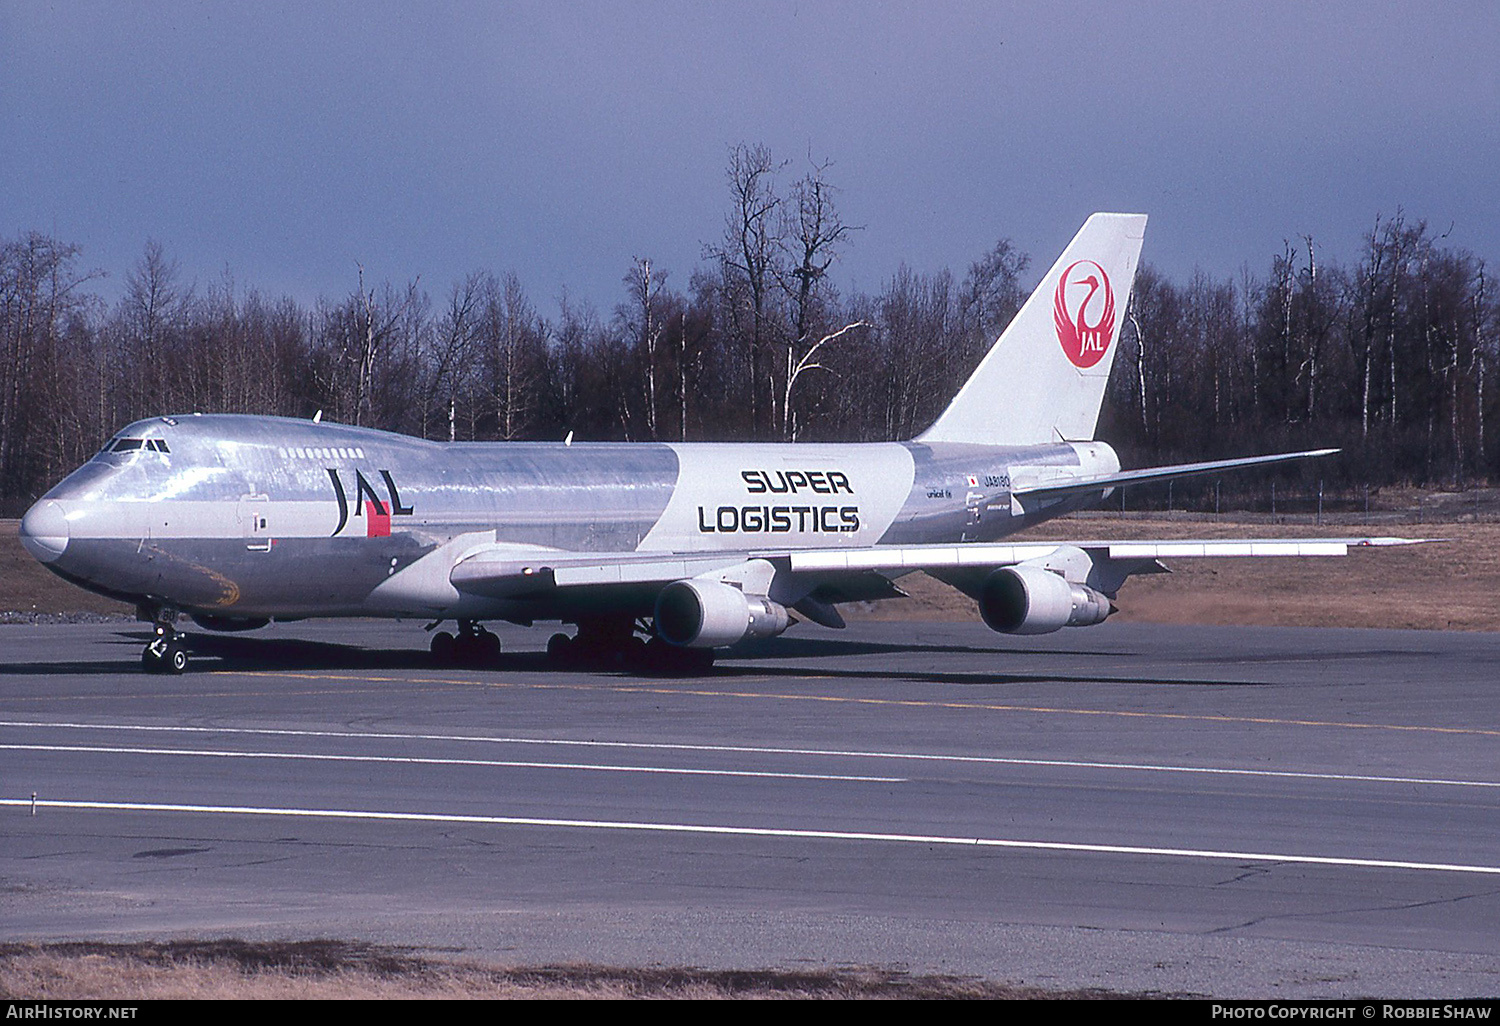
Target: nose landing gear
<point>166,651</point>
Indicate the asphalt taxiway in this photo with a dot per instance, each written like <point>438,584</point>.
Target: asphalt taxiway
<point>1226,811</point>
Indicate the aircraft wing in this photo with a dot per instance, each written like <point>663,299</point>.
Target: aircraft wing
<point>503,572</point>
<point>715,598</point>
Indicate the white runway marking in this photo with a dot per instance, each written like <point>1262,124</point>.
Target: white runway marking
<point>413,760</point>
<point>753,750</point>
<point>738,831</point>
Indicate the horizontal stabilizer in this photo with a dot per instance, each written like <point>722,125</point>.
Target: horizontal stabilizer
<point>1147,475</point>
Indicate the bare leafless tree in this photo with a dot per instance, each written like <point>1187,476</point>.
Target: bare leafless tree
<point>514,337</point>
<point>811,239</point>
<point>644,284</point>
<point>747,258</point>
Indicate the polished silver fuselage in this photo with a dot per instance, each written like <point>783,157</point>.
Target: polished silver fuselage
<point>246,518</point>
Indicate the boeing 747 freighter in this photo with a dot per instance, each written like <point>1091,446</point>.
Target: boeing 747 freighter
<point>238,520</point>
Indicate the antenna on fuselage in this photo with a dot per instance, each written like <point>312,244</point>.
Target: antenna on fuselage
<point>318,417</point>
<point>568,438</point>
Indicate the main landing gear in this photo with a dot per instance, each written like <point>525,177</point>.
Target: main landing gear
<point>473,646</point>
<point>166,652</point>
<point>613,645</point>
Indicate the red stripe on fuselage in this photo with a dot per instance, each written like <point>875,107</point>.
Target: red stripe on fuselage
<point>378,522</point>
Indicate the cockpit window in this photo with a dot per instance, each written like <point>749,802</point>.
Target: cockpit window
<point>135,444</point>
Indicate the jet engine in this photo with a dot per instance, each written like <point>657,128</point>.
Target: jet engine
<point>1030,600</point>
<point>707,614</point>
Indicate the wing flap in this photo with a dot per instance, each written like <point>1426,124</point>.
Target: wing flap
<point>503,572</point>
<point>1230,548</point>
<point>916,557</point>
<point>921,557</point>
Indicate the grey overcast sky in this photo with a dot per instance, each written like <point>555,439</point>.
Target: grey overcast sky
<point>288,141</point>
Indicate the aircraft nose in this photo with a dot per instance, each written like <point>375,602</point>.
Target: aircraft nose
<point>44,531</point>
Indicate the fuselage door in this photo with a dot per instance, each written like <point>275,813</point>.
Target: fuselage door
<point>254,516</point>
<point>973,508</point>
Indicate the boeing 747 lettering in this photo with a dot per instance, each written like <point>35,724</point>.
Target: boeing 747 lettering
<point>239,520</point>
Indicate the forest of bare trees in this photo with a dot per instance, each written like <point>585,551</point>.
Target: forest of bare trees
<point>1392,356</point>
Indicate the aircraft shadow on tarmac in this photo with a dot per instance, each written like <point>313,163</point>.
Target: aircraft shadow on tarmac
<point>284,653</point>
<point>792,657</point>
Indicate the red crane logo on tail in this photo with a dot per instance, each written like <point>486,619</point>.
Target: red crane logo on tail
<point>1077,289</point>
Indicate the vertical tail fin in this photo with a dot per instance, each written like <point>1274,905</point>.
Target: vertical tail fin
<point>1043,379</point>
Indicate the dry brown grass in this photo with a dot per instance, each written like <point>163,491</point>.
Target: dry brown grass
<point>29,589</point>
<point>229,969</point>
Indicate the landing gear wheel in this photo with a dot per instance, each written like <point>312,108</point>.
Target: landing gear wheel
<point>489,648</point>
<point>600,645</point>
<point>477,647</point>
<point>165,653</point>
<point>474,646</point>
<point>560,649</point>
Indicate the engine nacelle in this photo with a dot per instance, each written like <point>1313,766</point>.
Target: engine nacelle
<point>1029,600</point>
<point>707,614</point>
